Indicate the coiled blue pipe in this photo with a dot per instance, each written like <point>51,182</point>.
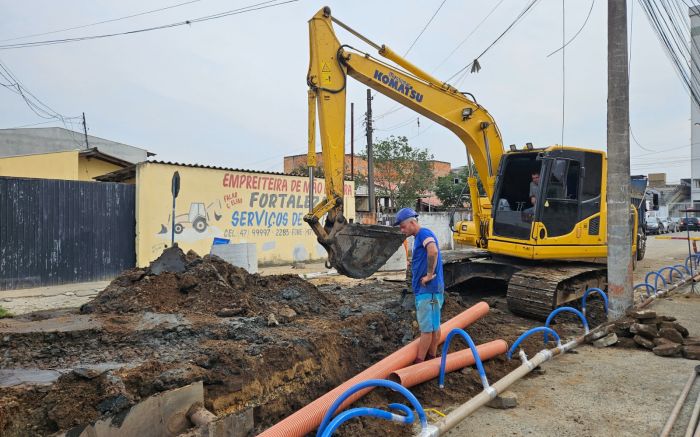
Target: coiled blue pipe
<point>596,290</point>
<point>671,269</point>
<point>695,257</point>
<point>553,314</point>
<point>682,266</point>
<point>528,333</point>
<point>372,412</point>
<point>475,353</point>
<point>656,279</point>
<point>366,384</point>
<point>648,286</point>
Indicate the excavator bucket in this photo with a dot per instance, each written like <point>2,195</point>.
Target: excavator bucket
<point>357,250</point>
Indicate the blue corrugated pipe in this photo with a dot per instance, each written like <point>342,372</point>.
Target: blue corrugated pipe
<point>648,286</point>
<point>670,273</point>
<point>684,267</point>
<point>475,353</point>
<point>528,333</point>
<point>656,279</point>
<point>695,257</point>
<point>596,290</point>
<point>372,411</point>
<point>551,316</point>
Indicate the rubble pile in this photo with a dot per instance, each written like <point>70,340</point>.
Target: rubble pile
<point>661,334</point>
<point>187,283</point>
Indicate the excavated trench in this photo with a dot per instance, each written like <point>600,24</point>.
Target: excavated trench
<point>270,343</point>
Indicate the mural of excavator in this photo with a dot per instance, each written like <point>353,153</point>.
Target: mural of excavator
<point>198,217</point>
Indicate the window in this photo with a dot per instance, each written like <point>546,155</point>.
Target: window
<point>564,180</point>
<point>593,165</point>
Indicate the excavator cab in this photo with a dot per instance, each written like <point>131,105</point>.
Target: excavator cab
<point>563,208</point>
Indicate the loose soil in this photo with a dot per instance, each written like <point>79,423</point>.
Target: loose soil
<point>271,343</point>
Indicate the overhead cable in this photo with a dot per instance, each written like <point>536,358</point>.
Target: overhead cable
<point>245,9</point>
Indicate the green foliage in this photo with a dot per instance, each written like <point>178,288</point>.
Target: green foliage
<point>303,170</point>
<point>4,313</point>
<point>456,195</point>
<point>401,172</point>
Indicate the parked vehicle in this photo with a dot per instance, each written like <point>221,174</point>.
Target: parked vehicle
<point>653,226</point>
<point>664,225</point>
<point>691,223</point>
<point>675,224</point>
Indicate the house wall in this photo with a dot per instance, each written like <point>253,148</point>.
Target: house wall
<point>88,168</point>
<point>244,207</point>
<point>59,165</point>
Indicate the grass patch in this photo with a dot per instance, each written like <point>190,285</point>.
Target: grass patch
<point>4,313</point>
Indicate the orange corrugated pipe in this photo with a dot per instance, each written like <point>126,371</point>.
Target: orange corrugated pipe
<point>309,417</point>
<point>419,373</point>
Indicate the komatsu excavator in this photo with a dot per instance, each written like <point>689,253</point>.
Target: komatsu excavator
<point>535,244</point>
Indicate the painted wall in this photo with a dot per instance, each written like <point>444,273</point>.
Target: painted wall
<point>59,165</point>
<point>245,207</point>
<point>88,168</point>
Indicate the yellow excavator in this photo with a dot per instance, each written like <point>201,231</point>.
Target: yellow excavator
<point>533,243</point>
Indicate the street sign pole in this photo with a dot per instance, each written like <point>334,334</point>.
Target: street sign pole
<point>175,190</point>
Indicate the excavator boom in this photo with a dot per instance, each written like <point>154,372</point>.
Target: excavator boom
<point>354,249</point>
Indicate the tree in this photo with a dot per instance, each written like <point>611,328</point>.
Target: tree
<point>401,172</point>
<point>303,170</point>
<point>453,194</point>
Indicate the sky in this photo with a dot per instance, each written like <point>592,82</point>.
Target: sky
<point>232,92</point>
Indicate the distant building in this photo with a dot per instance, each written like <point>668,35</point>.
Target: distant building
<point>57,153</point>
<point>291,163</point>
<point>427,202</point>
<point>32,141</point>
<point>657,180</point>
<point>74,165</point>
<point>672,199</point>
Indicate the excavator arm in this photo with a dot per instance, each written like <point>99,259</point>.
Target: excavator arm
<point>359,250</point>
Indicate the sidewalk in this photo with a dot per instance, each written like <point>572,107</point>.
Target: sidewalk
<point>47,298</point>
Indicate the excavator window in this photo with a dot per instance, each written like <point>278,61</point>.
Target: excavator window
<point>560,208</point>
<point>514,212</point>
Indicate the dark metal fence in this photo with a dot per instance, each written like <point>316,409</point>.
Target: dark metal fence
<point>55,232</point>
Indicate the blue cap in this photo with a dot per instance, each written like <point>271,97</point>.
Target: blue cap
<point>403,214</point>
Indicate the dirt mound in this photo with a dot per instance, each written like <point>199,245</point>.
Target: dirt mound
<point>207,285</point>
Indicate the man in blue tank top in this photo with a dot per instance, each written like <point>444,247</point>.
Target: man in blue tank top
<point>428,283</point>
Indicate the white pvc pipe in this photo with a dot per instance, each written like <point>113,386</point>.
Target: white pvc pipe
<point>693,419</point>
<point>677,408</point>
<point>463,411</point>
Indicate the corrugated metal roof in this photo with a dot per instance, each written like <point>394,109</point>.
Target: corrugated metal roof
<point>214,167</point>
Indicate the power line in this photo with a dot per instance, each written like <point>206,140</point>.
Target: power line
<point>35,104</point>
<point>449,55</point>
<point>563,70</point>
<point>579,31</point>
<point>250,8</point>
<point>425,27</point>
<point>101,22</point>
<point>475,63</point>
<point>32,124</point>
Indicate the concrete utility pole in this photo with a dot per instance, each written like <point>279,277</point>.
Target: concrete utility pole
<point>87,146</point>
<point>370,158</point>
<point>619,230</point>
